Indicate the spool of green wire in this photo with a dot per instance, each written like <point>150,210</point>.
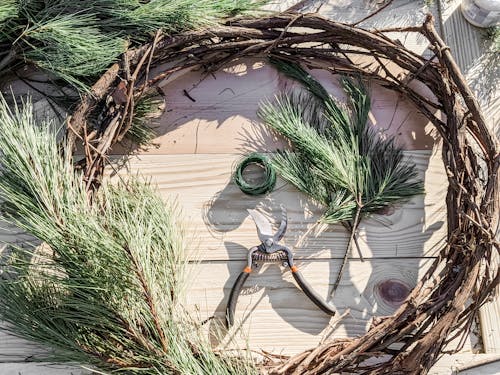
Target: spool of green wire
<point>263,187</point>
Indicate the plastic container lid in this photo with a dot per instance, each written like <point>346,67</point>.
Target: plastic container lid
<point>481,13</point>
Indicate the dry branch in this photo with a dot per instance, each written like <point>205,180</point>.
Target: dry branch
<point>435,309</point>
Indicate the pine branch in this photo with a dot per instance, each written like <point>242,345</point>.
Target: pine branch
<point>77,40</point>
<point>107,290</point>
<point>339,161</point>
<point>146,112</point>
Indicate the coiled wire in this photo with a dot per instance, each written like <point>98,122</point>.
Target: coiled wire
<point>269,175</point>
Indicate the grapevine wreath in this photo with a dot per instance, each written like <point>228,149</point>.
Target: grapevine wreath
<point>445,302</point>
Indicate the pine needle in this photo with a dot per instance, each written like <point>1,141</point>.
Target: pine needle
<point>108,290</point>
<point>146,112</point>
<point>71,46</point>
<point>8,9</point>
<point>338,160</point>
<point>177,15</point>
<point>78,40</point>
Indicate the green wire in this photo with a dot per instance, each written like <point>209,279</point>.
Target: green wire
<point>269,175</point>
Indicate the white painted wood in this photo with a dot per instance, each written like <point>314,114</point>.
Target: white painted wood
<point>489,315</point>
<point>491,368</point>
<point>465,363</point>
<point>14,349</point>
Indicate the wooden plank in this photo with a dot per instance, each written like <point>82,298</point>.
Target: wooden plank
<point>223,118</point>
<point>14,349</point>
<point>491,368</point>
<point>465,41</point>
<point>215,210</point>
<point>477,364</point>
<point>466,364</point>
<point>40,369</point>
<point>275,315</point>
<point>489,316</point>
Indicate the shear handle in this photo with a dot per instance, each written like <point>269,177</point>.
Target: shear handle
<point>309,292</point>
<point>304,285</point>
<point>233,297</point>
<point>236,289</point>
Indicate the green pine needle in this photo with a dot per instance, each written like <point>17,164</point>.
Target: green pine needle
<point>78,40</point>
<point>8,25</point>
<point>178,15</point>
<point>107,289</point>
<point>72,47</point>
<point>343,163</point>
<point>338,160</point>
<point>146,112</point>
<point>8,9</point>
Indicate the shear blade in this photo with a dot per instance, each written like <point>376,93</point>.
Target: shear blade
<point>264,227</point>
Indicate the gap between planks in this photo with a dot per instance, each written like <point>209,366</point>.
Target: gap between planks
<point>216,220</point>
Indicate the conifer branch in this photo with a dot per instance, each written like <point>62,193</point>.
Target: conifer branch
<point>339,160</point>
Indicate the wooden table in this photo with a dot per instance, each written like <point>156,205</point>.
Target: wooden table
<point>199,143</point>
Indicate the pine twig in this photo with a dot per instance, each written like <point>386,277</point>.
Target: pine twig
<point>354,227</point>
<point>148,297</point>
<point>389,2</point>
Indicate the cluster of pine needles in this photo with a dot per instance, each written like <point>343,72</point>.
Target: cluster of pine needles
<point>103,283</point>
<point>337,158</point>
<point>77,40</point>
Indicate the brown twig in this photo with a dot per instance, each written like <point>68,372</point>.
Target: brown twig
<point>354,227</point>
<point>149,298</point>
<point>435,309</point>
<point>373,14</point>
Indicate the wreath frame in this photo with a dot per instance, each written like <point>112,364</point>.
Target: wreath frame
<point>444,303</point>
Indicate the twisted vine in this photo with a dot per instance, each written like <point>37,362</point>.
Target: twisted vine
<point>445,301</point>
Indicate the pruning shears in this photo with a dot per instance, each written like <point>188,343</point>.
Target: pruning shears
<point>269,250</point>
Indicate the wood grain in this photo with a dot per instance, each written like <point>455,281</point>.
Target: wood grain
<point>489,316</point>
<point>199,142</point>
<point>40,369</point>
<point>223,116</point>
<point>447,365</point>
<point>273,314</point>
<point>215,210</point>
<point>14,349</point>
<point>467,364</point>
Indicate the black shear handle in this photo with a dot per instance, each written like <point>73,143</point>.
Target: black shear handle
<point>313,296</point>
<point>233,296</point>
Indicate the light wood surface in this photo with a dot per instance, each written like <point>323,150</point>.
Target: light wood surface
<point>489,315</point>
<point>40,369</point>
<point>482,70</point>
<point>223,118</point>
<point>199,142</point>
<point>215,210</point>
<point>274,315</point>
<point>467,364</point>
